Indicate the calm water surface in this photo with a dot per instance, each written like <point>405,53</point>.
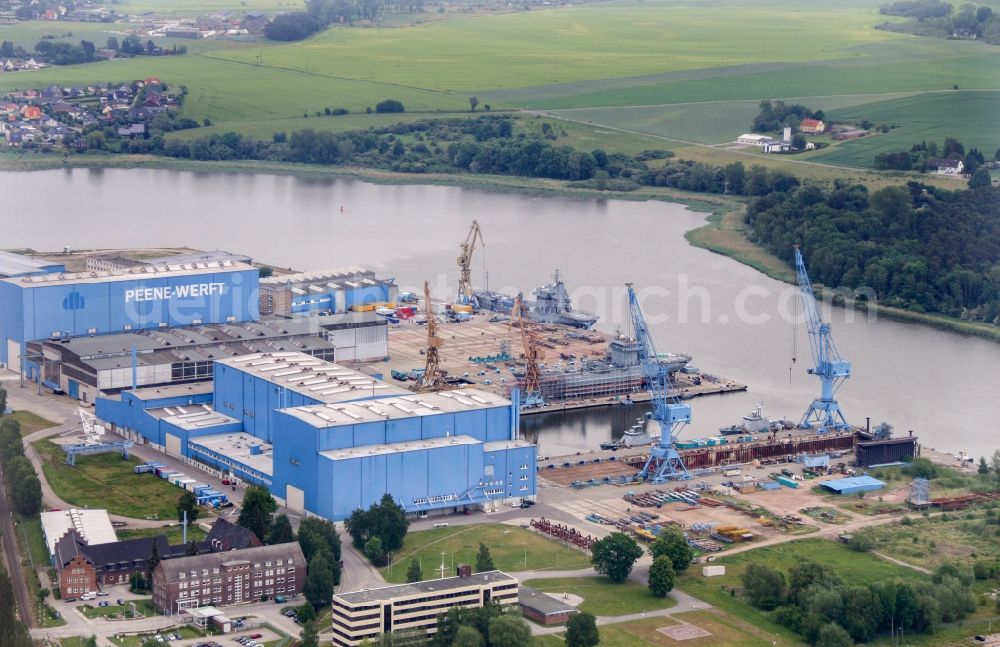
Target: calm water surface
<point>944,386</point>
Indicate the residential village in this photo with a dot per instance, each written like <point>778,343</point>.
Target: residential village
<point>56,116</point>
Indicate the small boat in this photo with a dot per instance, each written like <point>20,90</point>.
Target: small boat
<point>637,436</point>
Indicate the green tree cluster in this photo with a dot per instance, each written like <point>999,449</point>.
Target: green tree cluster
<point>257,511</point>
<point>935,249</point>
<point>23,484</point>
<point>615,555</point>
<point>493,624</point>
<point>385,520</point>
<point>484,560</point>
<point>581,630</point>
<point>825,610</point>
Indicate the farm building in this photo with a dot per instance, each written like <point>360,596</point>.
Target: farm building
<point>853,485</point>
<point>325,439</point>
<point>751,139</point>
<point>946,167</point>
<point>812,126</point>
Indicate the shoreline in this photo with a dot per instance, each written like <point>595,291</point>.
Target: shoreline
<point>723,233</point>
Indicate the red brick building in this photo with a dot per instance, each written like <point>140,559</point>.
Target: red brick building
<point>229,578</point>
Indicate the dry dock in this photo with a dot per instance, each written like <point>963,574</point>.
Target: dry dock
<point>469,348</point>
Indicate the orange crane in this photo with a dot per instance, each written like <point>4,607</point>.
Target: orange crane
<point>433,377</point>
<point>532,396</point>
<point>465,262</point>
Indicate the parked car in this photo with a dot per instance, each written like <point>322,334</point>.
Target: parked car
<point>256,636</point>
<point>102,593</point>
<point>89,595</point>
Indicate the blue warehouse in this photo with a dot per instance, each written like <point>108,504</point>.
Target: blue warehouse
<point>326,439</point>
<point>42,304</point>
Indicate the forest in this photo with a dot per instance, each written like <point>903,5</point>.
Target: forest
<point>918,247</point>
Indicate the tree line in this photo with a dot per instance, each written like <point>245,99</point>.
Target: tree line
<point>320,14</point>
<point>937,18</point>
<point>23,486</point>
<point>916,246</point>
<point>484,145</point>
<point>919,156</point>
<point>812,600</point>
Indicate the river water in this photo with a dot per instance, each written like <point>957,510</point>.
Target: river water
<point>734,321</point>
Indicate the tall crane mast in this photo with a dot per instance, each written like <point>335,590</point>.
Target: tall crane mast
<point>824,414</point>
<point>433,377</point>
<point>664,462</point>
<point>532,353</point>
<point>465,262</point>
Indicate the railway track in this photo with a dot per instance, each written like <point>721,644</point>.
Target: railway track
<point>13,557</point>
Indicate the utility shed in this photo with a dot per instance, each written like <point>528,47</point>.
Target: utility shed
<point>853,485</point>
<point>544,608</point>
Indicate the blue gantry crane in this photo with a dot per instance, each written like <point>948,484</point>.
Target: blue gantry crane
<point>824,413</point>
<point>664,463</point>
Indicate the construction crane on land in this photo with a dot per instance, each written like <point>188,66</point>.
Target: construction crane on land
<point>433,377</point>
<point>532,353</point>
<point>824,414</point>
<point>664,462</point>
<point>93,433</point>
<point>465,262</point>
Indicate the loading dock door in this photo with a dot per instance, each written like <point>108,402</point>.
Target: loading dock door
<point>14,356</point>
<point>74,389</point>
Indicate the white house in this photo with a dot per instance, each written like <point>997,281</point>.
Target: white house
<point>946,167</point>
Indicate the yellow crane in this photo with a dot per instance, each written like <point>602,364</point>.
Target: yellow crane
<point>465,262</point>
<point>433,377</point>
<point>532,396</point>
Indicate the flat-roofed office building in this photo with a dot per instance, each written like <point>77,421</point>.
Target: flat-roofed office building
<point>370,612</point>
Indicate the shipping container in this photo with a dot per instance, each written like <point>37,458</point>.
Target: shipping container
<point>713,571</point>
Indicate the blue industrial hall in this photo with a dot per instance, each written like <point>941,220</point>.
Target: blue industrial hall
<point>326,440</point>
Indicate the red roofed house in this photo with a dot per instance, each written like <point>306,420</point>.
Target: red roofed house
<point>812,126</point>
<point>32,113</point>
<point>153,80</point>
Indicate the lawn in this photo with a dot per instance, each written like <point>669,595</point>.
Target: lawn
<point>602,597</point>
<point>30,422</point>
<point>174,533</point>
<point>724,630</point>
<point>73,641</point>
<point>106,481</point>
<point>510,546</point>
<point>143,606</point>
<point>185,632</point>
<point>30,533</point>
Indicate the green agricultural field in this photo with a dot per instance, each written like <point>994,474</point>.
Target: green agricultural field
<point>510,546</point>
<point>971,117</point>
<point>579,43</point>
<point>602,597</point>
<point>712,122</point>
<point>106,481</point>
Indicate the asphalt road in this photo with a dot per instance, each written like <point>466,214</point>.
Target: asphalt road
<point>13,559</point>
